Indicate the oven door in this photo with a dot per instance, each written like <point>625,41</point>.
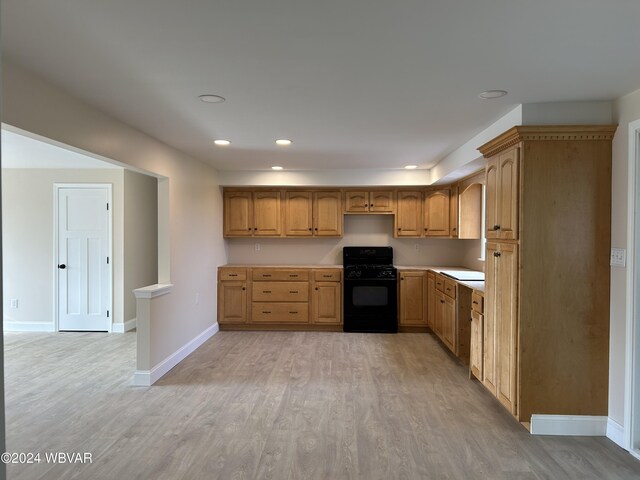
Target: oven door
<point>370,306</point>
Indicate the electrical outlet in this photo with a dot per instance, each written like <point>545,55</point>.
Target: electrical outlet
<point>257,247</point>
<point>14,303</point>
<point>618,257</point>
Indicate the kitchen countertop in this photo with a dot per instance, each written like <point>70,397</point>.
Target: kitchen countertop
<point>236,265</point>
<point>472,284</point>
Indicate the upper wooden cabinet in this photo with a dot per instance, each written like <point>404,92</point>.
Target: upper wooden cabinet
<point>360,201</point>
<point>238,214</point>
<point>298,214</point>
<point>267,214</point>
<point>327,214</point>
<point>502,195</point>
<point>409,214</point>
<point>436,213</point>
<point>454,212</point>
<point>470,201</point>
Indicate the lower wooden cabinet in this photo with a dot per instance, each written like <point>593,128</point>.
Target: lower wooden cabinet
<point>431,300</point>
<point>477,341</point>
<point>412,299</point>
<point>451,304</point>
<point>279,298</point>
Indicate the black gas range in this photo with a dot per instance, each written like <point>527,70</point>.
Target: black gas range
<point>370,290</point>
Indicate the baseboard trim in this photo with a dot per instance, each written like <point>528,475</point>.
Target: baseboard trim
<point>124,327</point>
<point>29,327</point>
<point>615,432</point>
<point>578,425</point>
<point>146,378</point>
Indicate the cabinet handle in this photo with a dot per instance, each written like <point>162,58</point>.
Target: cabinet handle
<point>371,205</point>
<point>244,288</point>
<point>366,204</point>
<point>401,278</point>
<point>293,275</point>
<point>293,312</point>
<point>441,301</point>
<point>496,227</point>
<point>475,303</point>
<point>255,228</point>
<point>316,288</point>
<point>266,291</point>
<point>454,229</point>
<point>233,274</point>
<point>316,229</point>
<point>249,228</point>
<point>293,291</point>
<point>399,229</point>
<point>496,254</point>
<point>265,312</point>
<point>327,276</point>
<point>266,275</point>
<point>310,229</point>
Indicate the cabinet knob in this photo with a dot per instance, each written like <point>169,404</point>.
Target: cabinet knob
<point>401,278</point>
<point>310,229</point>
<point>399,229</point>
<point>366,204</point>
<point>441,301</point>
<point>244,288</point>
<point>316,288</point>
<point>371,204</point>
<point>249,228</point>
<point>426,229</point>
<point>496,254</point>
<point>496,227</point>
<point>255,228</point>
<point>316,229</point>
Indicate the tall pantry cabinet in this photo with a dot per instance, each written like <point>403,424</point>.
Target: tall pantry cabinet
<point>548,230</point>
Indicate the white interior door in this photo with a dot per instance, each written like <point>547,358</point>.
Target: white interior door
<point>83,264</point>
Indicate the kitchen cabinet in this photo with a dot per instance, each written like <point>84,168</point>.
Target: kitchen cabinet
<point>548,217</point>
<point>267,215</point>
<point>412,299</point>
<point>436,213</point>
<point>502,195</point>
<point>449,322</point>
<point>408,220</point>
<point>476,360</point>
<point>279,298</point>
<point>454,212</point>
<point>431,300</point>
<point>377,201</point>
<point>451,319</point>
<point>327,214</point>
<point>298,214</point>
<point>326,298</point>
<point>470,216</point>
<point>238,214</point>
<point>232,296</point>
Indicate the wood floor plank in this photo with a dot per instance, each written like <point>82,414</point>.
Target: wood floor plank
<point>277,405</point>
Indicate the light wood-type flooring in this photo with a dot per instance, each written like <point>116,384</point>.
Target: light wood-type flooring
<point>276,405</point>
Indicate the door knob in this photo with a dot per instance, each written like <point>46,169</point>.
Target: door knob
<point>62,266</point>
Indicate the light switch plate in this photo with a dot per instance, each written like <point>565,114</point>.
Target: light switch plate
<point>618,257</point>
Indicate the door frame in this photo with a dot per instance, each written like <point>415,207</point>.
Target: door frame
<point>631,428</point>
<point>56,189</point>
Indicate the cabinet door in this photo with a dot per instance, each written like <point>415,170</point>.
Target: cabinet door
<point>506,325</point>
<point>266,214</point>
<point>476,349</point>
<point>453,212</point>
<point>491,205</point>
<point>439,315</point>
<point>490,314</point>
<point>298,217</point>
<point>381,202</point>
<point>327,214</point>
<point>232,302</point>
<point>327,305</point>
<point>508,194</point>
<point>357,202</point>
<point>436,216</point>
<point>238,214</point>
<point>409,214</point>
<point>449,323</point>
<point>412,311</point>
<point>431,300</point>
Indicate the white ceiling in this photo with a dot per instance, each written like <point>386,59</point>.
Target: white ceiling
<point>19,151</point>
<point>355,84</point>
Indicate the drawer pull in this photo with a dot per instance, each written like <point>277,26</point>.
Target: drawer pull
<point>294,291</point>
<point>233,274</point>
<point>266,291</point>
<point>266,275</point>
<point>265,311</point>
<point>475,303</point>
<point>327,276</point>
<point>293,276</point>
<point>293,312</point>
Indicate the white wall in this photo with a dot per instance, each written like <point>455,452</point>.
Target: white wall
<point>27,219</point>
<point>626,110</point>
<point>194,219</point>
<point>140,236</point>
<point>358,230</point>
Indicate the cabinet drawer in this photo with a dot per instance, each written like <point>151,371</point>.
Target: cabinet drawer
<point>327,275</point>
<point>280,312</point>
<point>280,274</point>
<point>477,303</point>
<point>450,288</point>
<point>280,292</point>
<point>233,274</point>
<point>440,283</point>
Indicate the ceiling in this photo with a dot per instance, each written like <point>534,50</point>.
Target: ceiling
<point>19,151</point>
<point>357,84</point>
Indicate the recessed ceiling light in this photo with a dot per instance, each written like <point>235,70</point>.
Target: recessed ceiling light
<point>276,167</point>
<point>211,98</point>
<point>222,143</point>
<point>490,94</point>
<point>410,167</point>
<point>283,142</point>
